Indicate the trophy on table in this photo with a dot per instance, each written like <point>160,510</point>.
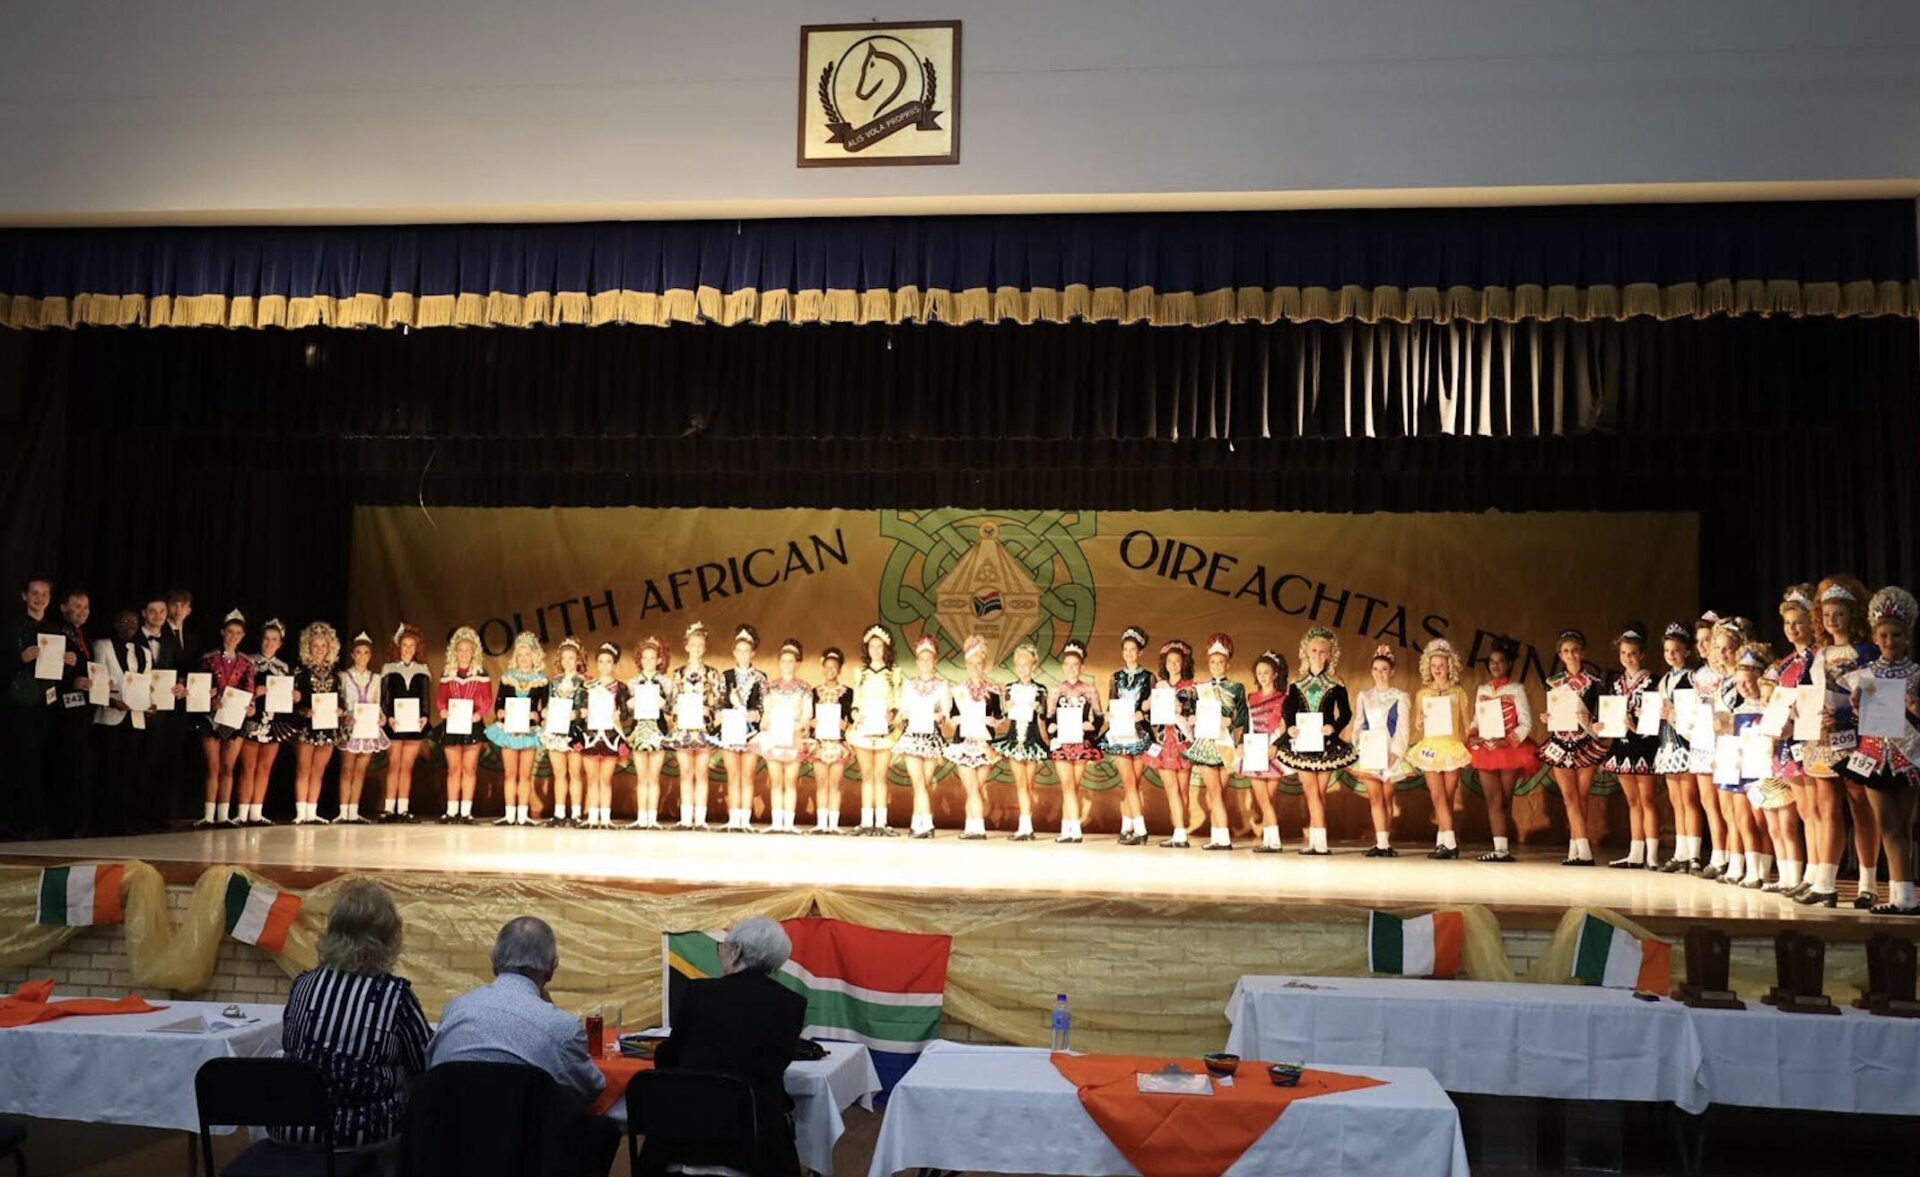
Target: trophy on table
<point>1890,978</point>
<point>1800,963</point>
<point>1708,960</point>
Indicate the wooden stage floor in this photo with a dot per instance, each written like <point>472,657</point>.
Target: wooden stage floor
<point>1536,890</point>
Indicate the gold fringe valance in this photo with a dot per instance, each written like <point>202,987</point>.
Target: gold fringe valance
<point>1005,304</point>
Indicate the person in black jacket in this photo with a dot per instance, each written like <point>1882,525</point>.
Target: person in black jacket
<point>744,1024</point>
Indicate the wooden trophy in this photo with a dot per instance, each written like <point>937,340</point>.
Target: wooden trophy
<point>1802,960</point>
<point>1897,961</point>
<point>1708,960</point>
<point>1876,987</point>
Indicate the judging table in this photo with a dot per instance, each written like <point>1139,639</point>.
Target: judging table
<point>1006,1109</point>
<point>1582,1043</point>
<point>119,1069</point>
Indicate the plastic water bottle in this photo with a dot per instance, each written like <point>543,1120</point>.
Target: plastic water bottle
<point>1062,1023</point>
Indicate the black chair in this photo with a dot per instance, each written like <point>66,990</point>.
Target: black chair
<point>13,1143</point>
<point>282,1092</point>
<point>691,1117</point>
<point>473,1119</point>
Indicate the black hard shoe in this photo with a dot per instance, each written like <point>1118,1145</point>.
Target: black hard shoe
<point>1218,846</point>
<point>923,835</point>
<point>1577,862</point>
<point>1890,909</point>
<point>1171,844</point>
<point>1621,864</point>
<point>1444,853</point>
<point>1026,837</point>
<point>1263,848</point>
<point>1865,901</point>
<point>1497,856</point>
<point>1827,899</point>
<point>976,836</point>
<point>1315,853</point>
<point>1671,866</point>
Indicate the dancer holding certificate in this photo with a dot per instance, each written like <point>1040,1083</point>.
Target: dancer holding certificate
<point>1260,763</point>
<point>1127,734</point>
<point>1501,744</point>
<point>783,727</point>
<point>1170,711</point>
<point>1440,753</point>
<point>1025,744</point>
<point>359,719</point>
<point>648,691</point>
<point>1886,696</point>
<point>924,702</point>
<point>742,694</point>
<point>465,696</point>
<point>269,724</point>
<point>1630,758</point>
<point>1220,717</point>
<point>876,692</point>
<point>1075,713</point>
<point>832,710</point>
<point>225,669</point>
<point>404,685</point>
<point>515,730</point>
<point>695,698</point>
<point>1380,757</point>
<point>1317,711</point>
<point>319,674</point>
<point>1572,749</point>
<point>972,725</point>
<point>604,743</point>
<point>563,731</point>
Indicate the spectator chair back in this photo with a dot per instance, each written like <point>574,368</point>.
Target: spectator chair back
<point>691,1115</point>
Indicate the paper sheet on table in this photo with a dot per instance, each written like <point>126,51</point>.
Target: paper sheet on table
<point>733,725</point>
<point>1312,733</point>
<point>51,661</point>
<point>1773,720</point>
<point>973,718</point>
<point>920,713</point>
<point>1563,710</point>
<point>1883,707</point>
<point>1809,706</point>
<point>1256,748</point>
<point>646,700</point>
<point>518,716</point>
<point>163,683</point>
<point>136,691</point>
<point>326,711</point>
<point>459,717</point>
<point>1686,702</point>
<point>1726,760</point>
<point>1070,722</point>
<point>1375,747</point>
<point>783,717</point>
<point>233,707</point>
<point>366,722</point>
<point>689,711</point>
<point>599,709</point>
<point>1163,707</point>
<point>199,692</point>
<point>826,721</point>
<point>1122,727</point>
<point>1490,718</point>
<point>559,716</point>
<point>1705,733</point>
<point>1436,716</point>
<point>99,686</point>
<point>1613,717</point>
<point>1207,724</point>
<point>1022,698</point>
<point>1647,722</point>
<point>279,694</point>
<point>1756,756</point>
<point>406,715</point>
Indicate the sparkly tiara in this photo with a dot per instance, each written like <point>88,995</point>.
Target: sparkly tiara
<point>1837,592</point>
<point>877,631</point>
<point>1134,634</point>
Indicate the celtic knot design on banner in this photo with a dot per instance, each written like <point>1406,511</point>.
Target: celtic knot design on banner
<point>1010,576</point>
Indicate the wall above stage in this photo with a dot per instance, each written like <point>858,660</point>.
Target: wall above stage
<point>365,110</point>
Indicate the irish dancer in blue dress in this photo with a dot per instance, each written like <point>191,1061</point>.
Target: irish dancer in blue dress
<point>1385,708</point>
<point>1128,735</point>
<point>1842,601</point>
<point>784,723</point>
<point>743,691</point>
<point>1888,765</point>
<point>649,691</point>
<point>973,723</point>
<point>1220,719</point>
<point>524,678</point>
<point>876,692</point>
<point>1075,715</point>
<point>359,687</point>
<point>1025,745</point>
<point>924,702</point>
<point>1318,690</point>
<point>827,750</point>
<point>566,697</point>
<point>699,685</point>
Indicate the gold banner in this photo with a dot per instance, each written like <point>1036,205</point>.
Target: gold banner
<point>823,575</point>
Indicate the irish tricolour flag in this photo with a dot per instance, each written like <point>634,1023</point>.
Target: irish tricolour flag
<point>1616,959</point>
<point>259,914</point>
<point>883,989</point>
<point>1426,946</point>
<point>80,896</point>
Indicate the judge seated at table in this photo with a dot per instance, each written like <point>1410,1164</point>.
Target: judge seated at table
<point>742,1023</point>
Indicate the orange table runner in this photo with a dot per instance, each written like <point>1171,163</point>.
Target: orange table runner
<point>30,1004</point>
<point>1187,1135</point>
<point>619,1071</point>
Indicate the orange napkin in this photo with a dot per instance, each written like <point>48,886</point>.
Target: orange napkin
<point>29,1004</point>
<point>1184,1135</point>
<point>619,1070</point>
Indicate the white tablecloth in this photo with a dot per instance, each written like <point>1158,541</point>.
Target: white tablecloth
<point>116,1070</point>
<point>822,1091</point>
<point>1574,1042</point>
<point>1005,1109</point>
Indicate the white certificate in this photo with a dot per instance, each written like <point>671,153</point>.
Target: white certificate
<point>1122,722</point>
<point>920,715</point>
<point>1756,755</point>
<point>1374,749</point>
<point>326,711</point>
<point>199,692</point>
<point>689,711</point>
<point>1647,723</point>
<point>1726,760</point>
<point>1883,707</point>
<point>1207,721</point>
<point>1613,717</point>
<point>1704,731</point>
<point>1490,718</point>
<point>233,707</point>
<point>99,686</point>
<point>366,722</point>
<point>873,707</point>
<point>1312,734</point>
<point>279,694</point>
<point>519,714</point>
<point>1022,699</point>
<point>52,659</point>
<point>783,716</point>
<point>973,719</point>
<point>1163,707</point>
<point>1436,716</point>
<point>559,716</point>
<point>406,714</point>
<point>733,725</point>
<point>136,691</point>
<point>1686,701</point>
<point>1809,705</point>
<point>646,700</point>
<point>459,717</point>
<point>163,684</point>
<point>1563,710</point>
<point>1254,750</point>
<point>1070,722</point>
<point>826,721</point>
<point>599,709</point>
<point>1773,721</point>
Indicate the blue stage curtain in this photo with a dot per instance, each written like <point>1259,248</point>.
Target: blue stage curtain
<point>1840,258</point>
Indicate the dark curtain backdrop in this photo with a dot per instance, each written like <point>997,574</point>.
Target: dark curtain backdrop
<point>229,462</point>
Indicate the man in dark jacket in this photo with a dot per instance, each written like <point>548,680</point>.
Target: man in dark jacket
<point>744,1024</point>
